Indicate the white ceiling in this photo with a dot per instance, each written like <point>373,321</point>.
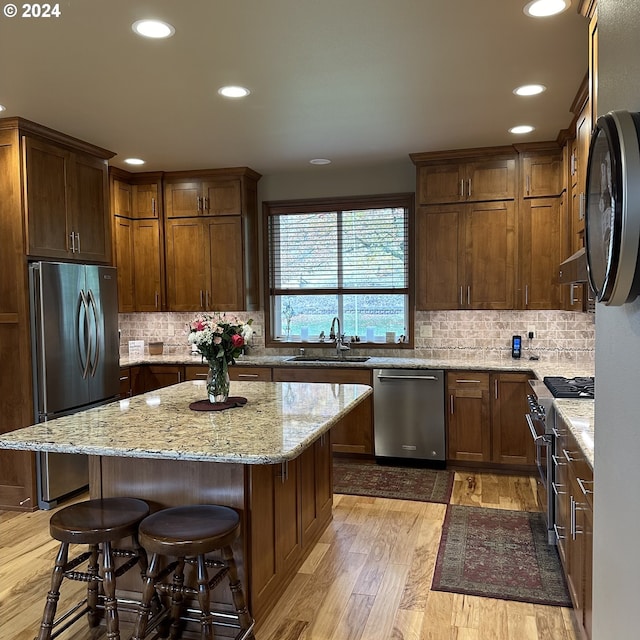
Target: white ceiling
<point>358,81</point>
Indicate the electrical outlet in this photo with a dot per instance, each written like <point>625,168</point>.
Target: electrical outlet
<point>531,331</point>
<point>426,331</point>
<point>257,330</point>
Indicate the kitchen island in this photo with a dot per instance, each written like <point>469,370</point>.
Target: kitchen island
<point>269,459</point>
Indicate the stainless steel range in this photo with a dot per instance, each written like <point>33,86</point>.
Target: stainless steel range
<point>542,424</point>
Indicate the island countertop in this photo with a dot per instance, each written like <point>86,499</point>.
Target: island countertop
<point>279,421</point>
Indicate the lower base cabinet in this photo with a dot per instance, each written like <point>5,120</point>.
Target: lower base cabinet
<point>291,506</point>
<point>486,419</point>
<point>574,523</point>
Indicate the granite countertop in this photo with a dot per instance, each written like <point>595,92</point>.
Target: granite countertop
<point>540,368</point>
<point>279,421</point>
<point>578,414</point>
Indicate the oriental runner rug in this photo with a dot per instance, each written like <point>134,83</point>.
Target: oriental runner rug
<point>401,483</point>
<point>496,553</point>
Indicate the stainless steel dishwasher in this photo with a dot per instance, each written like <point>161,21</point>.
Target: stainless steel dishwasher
<point>408,414</point>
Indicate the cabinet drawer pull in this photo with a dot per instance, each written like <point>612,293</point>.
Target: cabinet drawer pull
<point>451,403</point>
<point>463,381</point>
<point>468,295</point>
<point>462,188</point>
<point>567,456</point>
<point>123,378</point>
<point>581,483</point>
<point>247,375</point>
<point>556,530</point>
<point>557,462</point>
<point>153,206</point>
<point>469,188</point>
<point>461,299</point>
<point>201,375</point>
<point>78,239</point>
<point>556,489</point>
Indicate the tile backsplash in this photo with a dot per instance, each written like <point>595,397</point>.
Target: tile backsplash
<point>559,335</point>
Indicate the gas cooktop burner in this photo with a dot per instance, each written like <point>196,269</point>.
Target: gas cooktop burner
<point>578,387</point>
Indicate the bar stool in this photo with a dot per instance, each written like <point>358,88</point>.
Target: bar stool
<point>188,533</point>
<point>97,523</point>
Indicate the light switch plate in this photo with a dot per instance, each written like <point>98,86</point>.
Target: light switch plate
<point>426,331</point>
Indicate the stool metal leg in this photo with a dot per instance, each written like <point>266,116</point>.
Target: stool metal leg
<point>54,593</point>
<point>237,593</point>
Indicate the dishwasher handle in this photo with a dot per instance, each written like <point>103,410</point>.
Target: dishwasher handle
<point>387,377</point>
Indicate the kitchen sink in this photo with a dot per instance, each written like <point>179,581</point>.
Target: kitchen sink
<point>328,359</point>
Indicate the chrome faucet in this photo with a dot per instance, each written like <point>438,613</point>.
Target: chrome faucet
<point>341,347</point>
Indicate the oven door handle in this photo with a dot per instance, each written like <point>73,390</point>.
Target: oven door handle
<point>539,440</point>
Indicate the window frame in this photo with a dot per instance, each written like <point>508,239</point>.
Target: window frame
<point>345,203</point>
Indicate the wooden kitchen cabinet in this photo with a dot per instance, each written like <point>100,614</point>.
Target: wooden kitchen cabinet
<point>151,377</point>
<point>138,234</point>
<point>276,531</point>
<point>511,441</point>
<point>541,227</point>
<point>470,180</point>
<point>485,419</point>
<point>203,196</point>
<point>354,433</point>
<point>468,423</point>
<point>236,372</point>
<point>204,264</point>
<point>212,250</point>
<point>541,173</point>
<point>66,203</point>
<point>466,256</point>
<point>574,523</point>
<point>316,486</point>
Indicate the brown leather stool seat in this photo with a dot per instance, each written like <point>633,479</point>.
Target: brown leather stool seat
<point>188,533</point>
<point>97,523</point>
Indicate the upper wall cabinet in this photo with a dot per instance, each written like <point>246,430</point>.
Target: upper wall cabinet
<point>541,174</point>
<point>212,240</point>
<point>136,203</point>
<point>212,196</point>
<point>66,202</point>
<point>449,180</point>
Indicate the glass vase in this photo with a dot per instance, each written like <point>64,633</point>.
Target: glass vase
<point>218,380</point>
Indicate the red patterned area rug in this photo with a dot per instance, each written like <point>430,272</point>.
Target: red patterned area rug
<point>499,554</point>
<point>401,483</point>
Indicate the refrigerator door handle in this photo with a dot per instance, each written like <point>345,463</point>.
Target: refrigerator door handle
<point>84,354</point>
<point>95,335</point>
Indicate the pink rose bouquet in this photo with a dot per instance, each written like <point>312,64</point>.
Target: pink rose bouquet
<point>216,337</point>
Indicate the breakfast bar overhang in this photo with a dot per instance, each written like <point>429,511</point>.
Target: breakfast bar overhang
<point>270,459</point>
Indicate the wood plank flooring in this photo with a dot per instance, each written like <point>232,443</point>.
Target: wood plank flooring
<point>368,578</point>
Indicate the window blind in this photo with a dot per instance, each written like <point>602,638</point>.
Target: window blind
<point>346,250</point>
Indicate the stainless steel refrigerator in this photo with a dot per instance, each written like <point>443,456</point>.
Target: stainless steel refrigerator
<point>75,351</point>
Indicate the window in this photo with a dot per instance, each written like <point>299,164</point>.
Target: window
<point>345,258</point>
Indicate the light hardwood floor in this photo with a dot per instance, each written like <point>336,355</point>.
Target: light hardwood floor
<point>368,577</point>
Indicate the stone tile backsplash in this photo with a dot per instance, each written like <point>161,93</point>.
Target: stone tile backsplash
<point>559,335</point>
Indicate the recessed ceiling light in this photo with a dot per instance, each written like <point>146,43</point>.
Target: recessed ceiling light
<point>134,161</point>
<point>320,161</point>
<point>521,128</point>
<point>529,89</point>
<point>153,28</point>
<point>233,91</point>
<point>544,8</point>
